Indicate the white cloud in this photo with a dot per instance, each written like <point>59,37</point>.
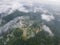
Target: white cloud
<point>22,9</point>
<point>47,17</point>
<point>8,6</point>
<point>5,5</point>
<point>47,29</point>
<point>11,24</point>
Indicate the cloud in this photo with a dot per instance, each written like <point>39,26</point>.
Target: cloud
<point>47,17</point>
<point>11,24</point>
<point>9,6</point>
<point>5,5</point>
<point>47,29</point>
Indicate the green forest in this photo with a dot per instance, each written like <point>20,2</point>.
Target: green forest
<point>41,38</point>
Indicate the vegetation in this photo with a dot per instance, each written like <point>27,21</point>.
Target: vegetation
<point>41,38</point>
